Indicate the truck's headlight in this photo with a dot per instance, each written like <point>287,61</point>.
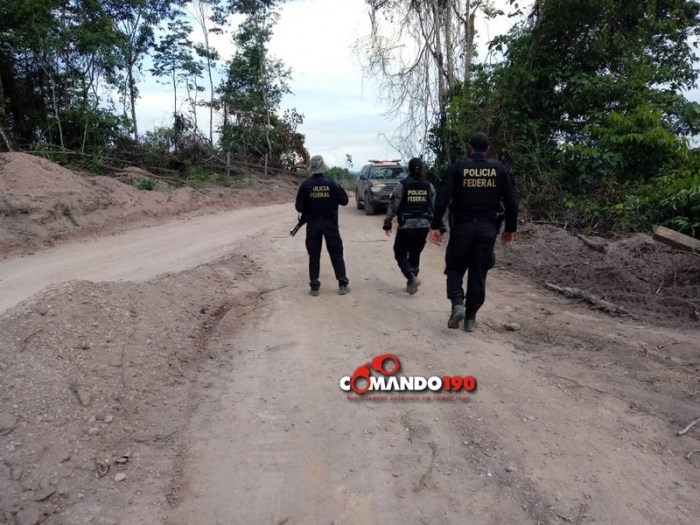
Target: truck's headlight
<point>376,189</point>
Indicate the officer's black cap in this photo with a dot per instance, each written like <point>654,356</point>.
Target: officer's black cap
<point>414,165</point>
<point>479,141</point>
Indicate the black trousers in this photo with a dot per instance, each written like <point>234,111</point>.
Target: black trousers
<point>408,245</point>
<point>470,251</point>
<point>316,231</point>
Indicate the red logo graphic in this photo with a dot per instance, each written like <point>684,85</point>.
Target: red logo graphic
<point>377,365</point>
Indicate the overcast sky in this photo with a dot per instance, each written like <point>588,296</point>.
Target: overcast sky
<point>343,112</point>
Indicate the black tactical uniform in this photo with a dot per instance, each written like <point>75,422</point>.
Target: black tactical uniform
<point>318,199</point>
<point>412,202</point>
<point>474,189</point>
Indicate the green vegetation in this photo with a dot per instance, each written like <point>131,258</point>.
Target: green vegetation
<point>142,184</point>
<point>67,213</point>
<point>588,110</point>
<point>199,178</point>
<point>7,208</point>
<point>70,72</point>
<point>342,176</point>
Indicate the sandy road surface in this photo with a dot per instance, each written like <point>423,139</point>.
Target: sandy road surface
<point>565,427</point>
<point>137,255</point>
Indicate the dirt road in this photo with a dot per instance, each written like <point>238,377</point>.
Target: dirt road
<point>574,420</point>
<point>137,255</point>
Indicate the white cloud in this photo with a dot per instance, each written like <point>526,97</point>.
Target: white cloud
<point>315,38</point>
<point>343,112</point>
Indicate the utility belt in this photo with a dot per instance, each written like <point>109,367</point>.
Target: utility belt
<point>403,217</point>
<point>331,216</point>
<point>488,218</point>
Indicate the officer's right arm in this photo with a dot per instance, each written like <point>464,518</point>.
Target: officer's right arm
<point>300,204</point>
<point>341,195</point>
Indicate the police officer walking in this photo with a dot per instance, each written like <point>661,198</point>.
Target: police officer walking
<point>412,203</point>
<point>317,200</point>
<point>473,189</point>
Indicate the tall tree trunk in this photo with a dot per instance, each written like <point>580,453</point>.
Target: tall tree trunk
<point>426,129</point>
<point>449,49</point>
<point>2,101</point>
<point>3,135</point>
<point>437,17</point>
<point>200,7</point>
<point>470,43</point>
<point>211,102</point>
<point>7,142</point>
<point>54,101</point>
<point>92,75</point>
<point>132,99</point>
<point>193,102</point>
<point>264,94</point>
<point>439,55</point>
<point>174,78</point>
<point>469,36</point>
<point>56,115</point>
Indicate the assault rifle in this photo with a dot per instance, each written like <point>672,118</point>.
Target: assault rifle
<point>302,221</point>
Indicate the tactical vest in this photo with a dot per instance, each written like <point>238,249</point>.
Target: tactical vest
<point>415,203</point>
<point>320,198</point>
<point>476,188</point>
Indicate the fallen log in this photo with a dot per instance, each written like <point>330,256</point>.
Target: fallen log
<point>601,304</point>
<point>7,142</point>
<point>599,247</point>
<point>676,240</point>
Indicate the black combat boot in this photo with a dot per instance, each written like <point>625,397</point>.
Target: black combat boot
<point>457,314</point>
<point>412,285</point>
<point>315,287</point>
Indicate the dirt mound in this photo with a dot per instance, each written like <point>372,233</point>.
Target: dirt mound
<point>28,176</point>
<point>42,203</point>
<point>95,384</point>
<point>649,280</point>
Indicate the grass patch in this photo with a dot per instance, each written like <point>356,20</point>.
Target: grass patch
<point>241,181</point>
<point>141,184</point>
<point>67,213</point>
<point>198,178</point>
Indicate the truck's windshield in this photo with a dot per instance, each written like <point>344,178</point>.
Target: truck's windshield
<point>387,172</point>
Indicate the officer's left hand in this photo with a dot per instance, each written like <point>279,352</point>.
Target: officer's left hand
<point>387,233</point>
<point>436,237</point>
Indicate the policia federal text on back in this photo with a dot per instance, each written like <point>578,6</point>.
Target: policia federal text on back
<point>317,200</point>
<point>474,189</point>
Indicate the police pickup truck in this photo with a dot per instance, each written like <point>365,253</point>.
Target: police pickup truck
<point>375,184</point>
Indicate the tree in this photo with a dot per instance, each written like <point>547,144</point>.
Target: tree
<point>573,63</point>
<point>254,85</point>
<point>588,109</point>
<point>412,50</point>
<point>172,57</point>
<point>194,70</point>
<point>207,13</point>
<point>135,21</point>
<point>53,56</point>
